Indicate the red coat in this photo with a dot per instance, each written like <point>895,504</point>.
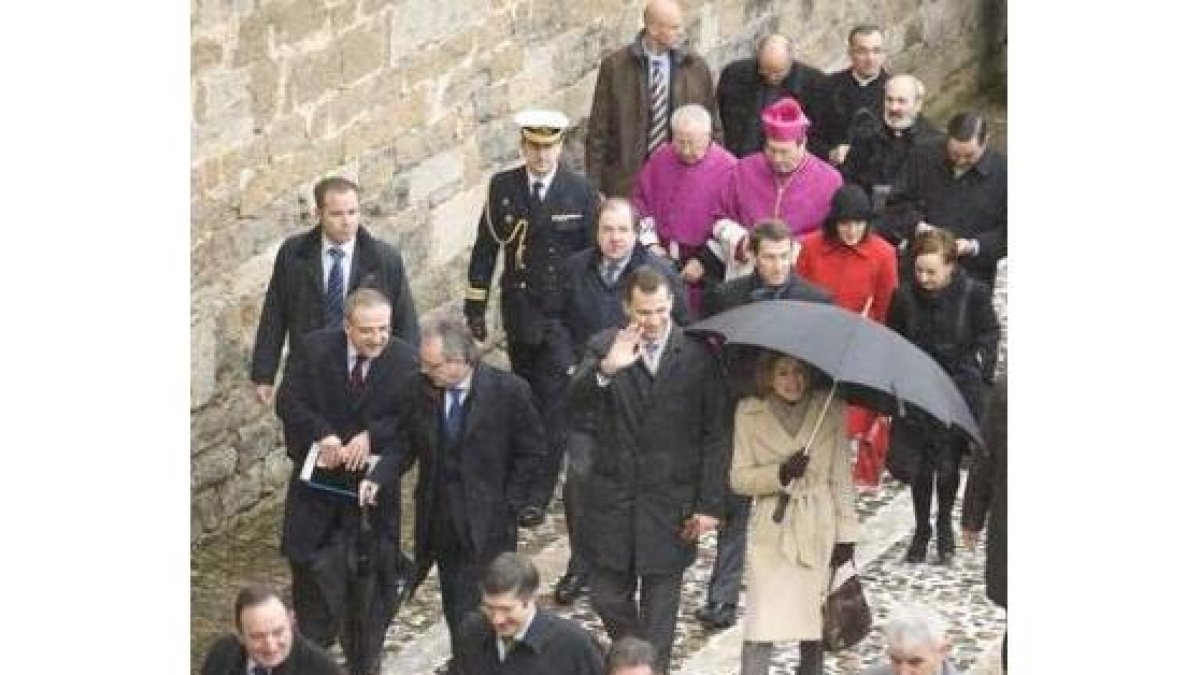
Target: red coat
<point>851,273</point>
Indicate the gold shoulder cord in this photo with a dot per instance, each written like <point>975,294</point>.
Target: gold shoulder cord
<point>519,229</point>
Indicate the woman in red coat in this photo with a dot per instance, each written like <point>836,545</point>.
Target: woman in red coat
<point>859,268</point>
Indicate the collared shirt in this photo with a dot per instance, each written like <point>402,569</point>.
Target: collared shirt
<point>663,60</point>
<point>251,665</point>
<point>327,262</point>
<point>653,361</point>
<point>519,636</point>
<point>351,357</point>
<point>544,180</point>
<point>464,386</point>
<point>621,265</point>
<point>862,82</point>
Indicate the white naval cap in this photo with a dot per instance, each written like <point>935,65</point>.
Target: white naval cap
<point>542,126</point>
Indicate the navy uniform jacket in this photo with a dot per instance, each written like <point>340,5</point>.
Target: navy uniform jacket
<point>314,401</point>
<point>537,243</point>
<point>295,300</point>
<point>552,646</point>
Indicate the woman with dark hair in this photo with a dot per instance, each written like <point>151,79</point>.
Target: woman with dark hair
<point>788,563</point>
<point>859,268</point>
<point>950,316</point>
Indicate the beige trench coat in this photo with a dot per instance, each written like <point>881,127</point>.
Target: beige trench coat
<point>787,564</point>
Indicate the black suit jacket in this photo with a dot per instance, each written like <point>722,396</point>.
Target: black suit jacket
<point>539,242</point>
<point>503,444</point>
<point>228,657</point>
<point>552,646</point>
<point>315,401</point>
<point>295,300</point>
<point>741,98</point>
<point>662,453</point>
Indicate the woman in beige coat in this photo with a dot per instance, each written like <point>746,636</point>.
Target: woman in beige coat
<point>788,564</point>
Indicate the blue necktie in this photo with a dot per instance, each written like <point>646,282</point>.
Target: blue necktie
<point>335,289</point>
<point>455,416</point>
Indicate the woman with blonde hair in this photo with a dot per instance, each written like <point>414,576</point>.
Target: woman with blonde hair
<point>788,562</point>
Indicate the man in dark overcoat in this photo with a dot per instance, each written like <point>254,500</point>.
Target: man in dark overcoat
<point>594,281</point>
<point>347,394</point>
<point>625,124</point>
<point>265,641</point>
<point>482,446</point>
<point>539,214</point>
<point>315,271</point>
<point>961,186</point>
<point>747,86</point>
<point>850,99</point>
<point>660,463</point>
<point>511,635</point>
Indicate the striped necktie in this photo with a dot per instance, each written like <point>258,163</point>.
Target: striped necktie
<point>658,107</point>
<point>335,289</point>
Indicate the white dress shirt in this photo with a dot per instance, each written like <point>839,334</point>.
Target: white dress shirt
<point>327,262</point>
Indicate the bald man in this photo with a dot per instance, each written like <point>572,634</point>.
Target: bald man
<point>874,161</point>
<point>749,85</point>
<point>638,88</point>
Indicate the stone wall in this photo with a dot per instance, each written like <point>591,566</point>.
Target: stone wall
<point>413,99</point>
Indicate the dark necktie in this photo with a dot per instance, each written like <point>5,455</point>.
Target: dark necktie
<point>455,415</point>
<point>357,382</point>
<point>535,195</point>
<point>259,670</point>
<point>658,107</point>
<point>335,288</point>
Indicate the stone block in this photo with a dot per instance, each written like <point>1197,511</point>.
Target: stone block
<point>256,441</point>
<point>311,75</point>
<point>363,51</point>
<point>382,125</point>
<point>242,491</point>
<point>206,54</point>
<point>204,368</point>
<point>253,40</point>
<point>452,226</point>
<point>342,15</point>
<point>287,135</point>
<point>206,507</point>
<point>213,467</point>
<point>279,178</point>
<point>504,61</point>
<point>277,469</point>
<point>264,91</point>
<point>298,20</point>
<point>416,24</point>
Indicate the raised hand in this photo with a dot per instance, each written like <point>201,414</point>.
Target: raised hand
<point>625,350</point>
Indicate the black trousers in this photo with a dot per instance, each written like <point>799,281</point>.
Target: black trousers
<point>725,584</point>
<point>544,366</point>
<point>652,616</point>
<point>315,619</point>
<point>579,465</point>
<point>458,578</point>
<point>938,469</point>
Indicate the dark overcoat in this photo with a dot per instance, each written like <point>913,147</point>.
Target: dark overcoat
<point>552,646</point>
<point>503,444</point>
<point>228,657</point>
<point>662,453</point>
<point>315,401</point>
<point>295,301</point>
<point>987,494</point>
<point>741,96</point>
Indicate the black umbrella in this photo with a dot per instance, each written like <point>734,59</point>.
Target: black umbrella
<point>871,365</point>
<point>364,578</point>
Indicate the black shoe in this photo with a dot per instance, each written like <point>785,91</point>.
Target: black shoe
<point>531,516</point>
<point>569,588</point>
<point>717,615</point>
<point>917,549</point>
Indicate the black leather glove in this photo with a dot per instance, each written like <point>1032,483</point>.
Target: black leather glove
<point>478,327</point>
<point>843,552</point>
<point>793,468</point>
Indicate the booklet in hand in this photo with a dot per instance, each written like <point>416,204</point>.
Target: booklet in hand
<point>338,481</point>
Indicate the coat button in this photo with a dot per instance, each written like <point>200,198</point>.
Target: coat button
<point>522,285</point>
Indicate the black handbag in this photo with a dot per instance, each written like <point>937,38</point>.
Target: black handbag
<point>908,436</point>
<point>845,616</point>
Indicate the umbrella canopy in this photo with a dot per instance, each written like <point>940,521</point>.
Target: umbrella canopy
<point>873,365</point>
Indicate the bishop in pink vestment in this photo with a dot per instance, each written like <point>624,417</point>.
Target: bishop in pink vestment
<point>784,181</point>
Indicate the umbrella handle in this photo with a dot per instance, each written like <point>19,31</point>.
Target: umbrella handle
<point>781,504</point>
